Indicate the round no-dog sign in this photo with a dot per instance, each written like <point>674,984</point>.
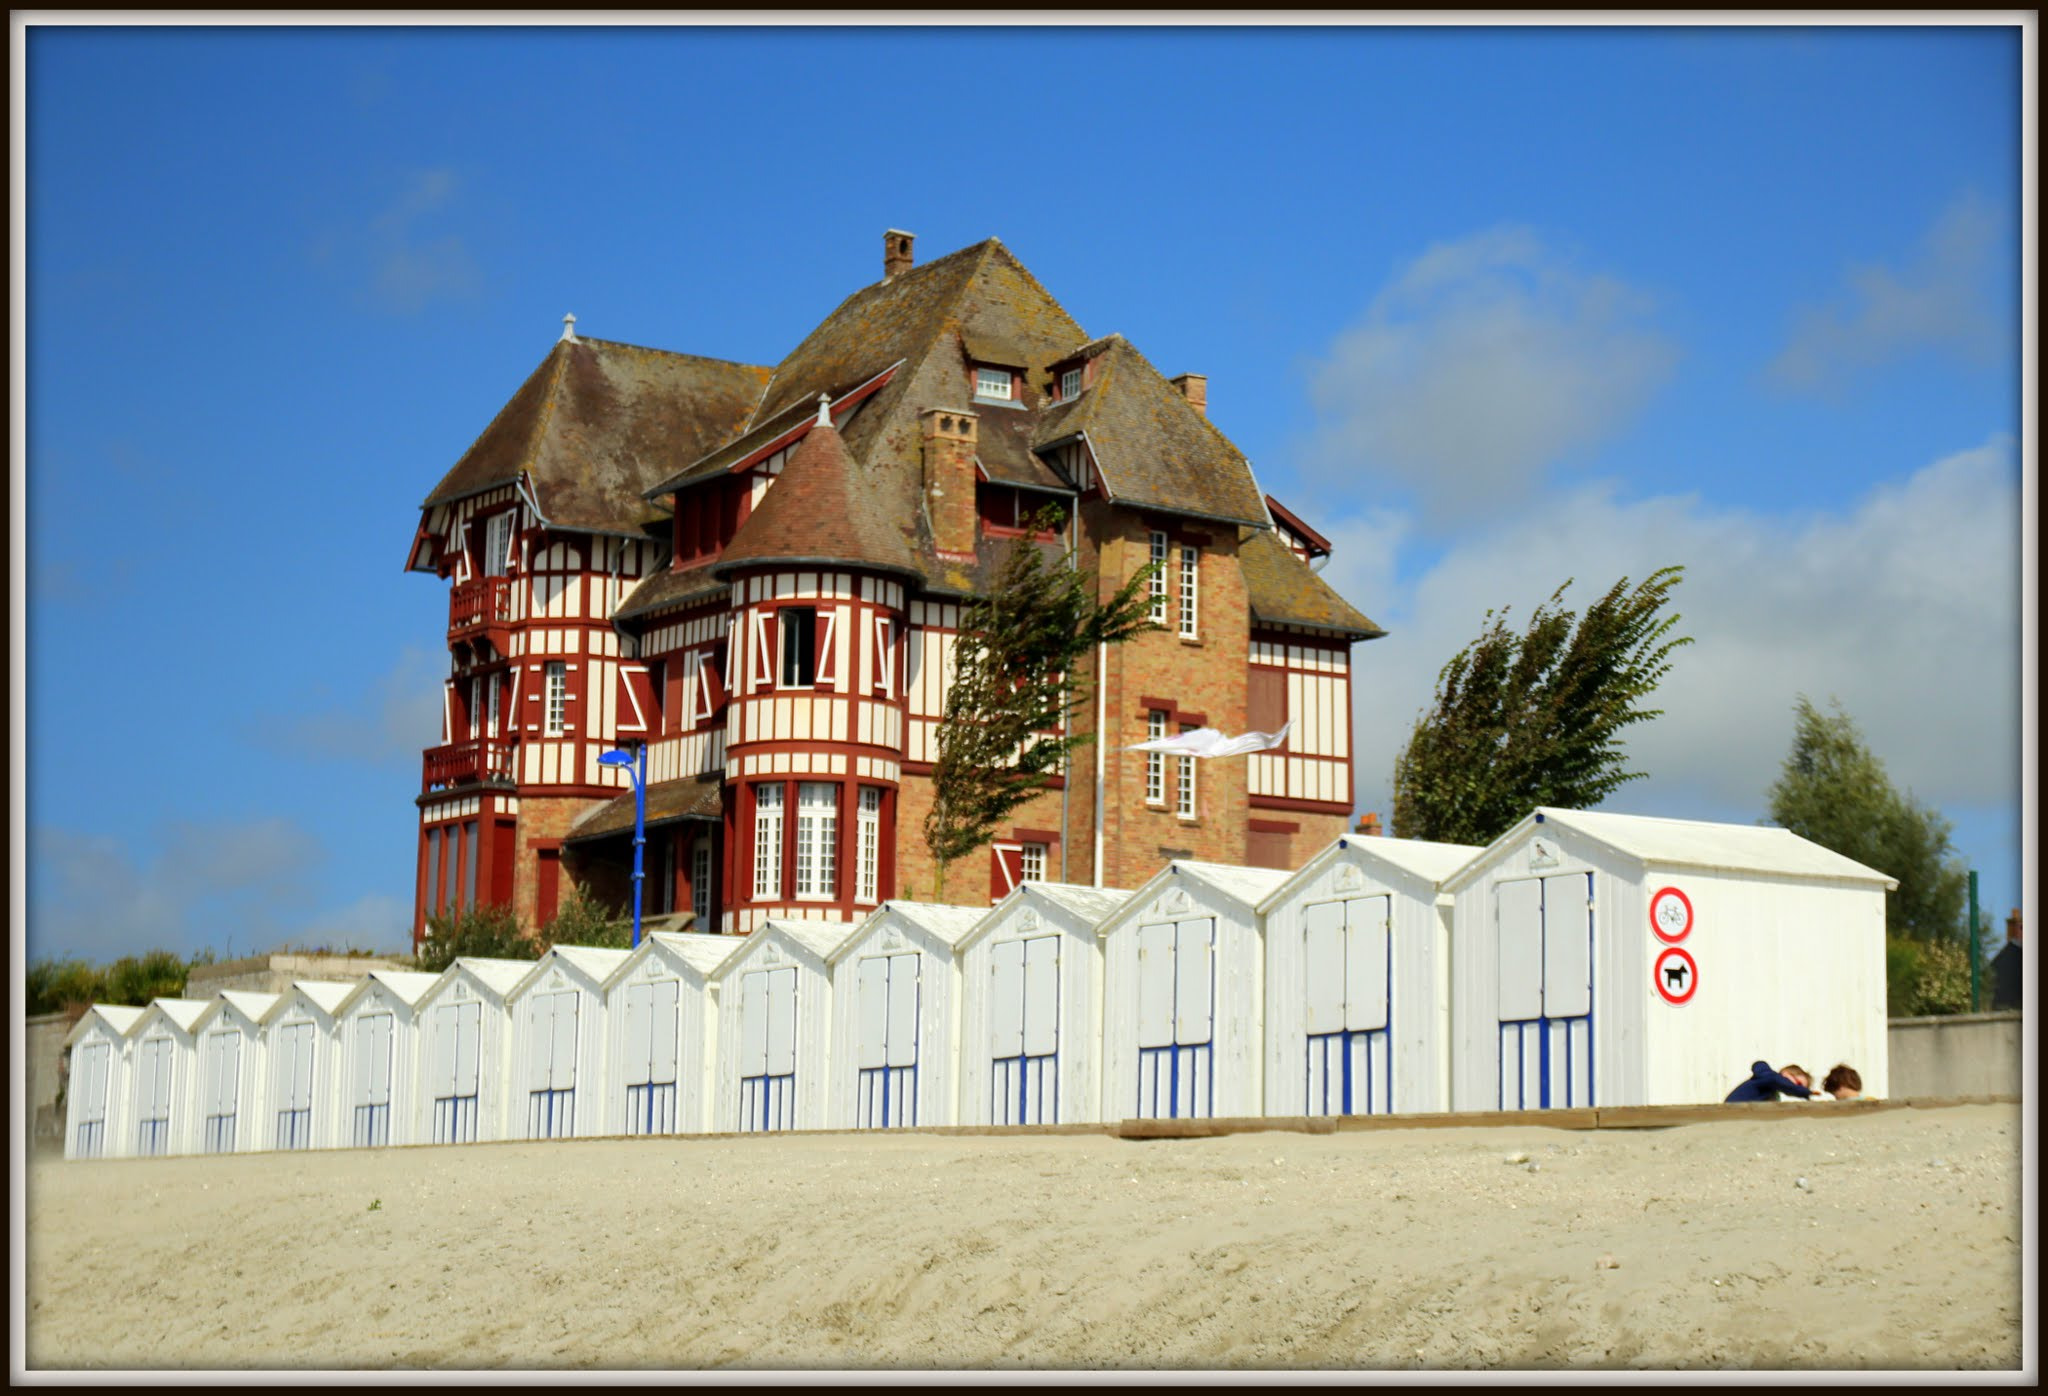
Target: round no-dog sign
<point>1676,975</point>
<point>1670,915</point>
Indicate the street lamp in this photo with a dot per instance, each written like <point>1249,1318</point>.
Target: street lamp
<point>628,761</point>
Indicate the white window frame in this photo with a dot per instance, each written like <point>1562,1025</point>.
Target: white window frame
<point>1155,762</point>
<point>1070,385</point>
<point>498,544</point>
<point>1190,583</point>
<point>497,712</point>
<point>885,656</point>
<point>817,840</point>
<point>868,846</point>
<point>1157,587</point>
<point>987,389</point>
<point>1184,788</point>
<point>1031,861</point>
<point>476,706</point>
<point>783,632</point>
<point>556,704</point>
<point>700,880</point>
<point>768,841</point>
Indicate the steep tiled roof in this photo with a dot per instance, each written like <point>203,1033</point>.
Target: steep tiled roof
<point>669,589</point>
<point>690,797</point>
<point>821,508</point>
<point>598,423</point>
<point>1003,450</point>
<point>1154,449</point>
<point>1283,591</point>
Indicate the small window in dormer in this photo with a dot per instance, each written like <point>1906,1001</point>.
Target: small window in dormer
<point>1070,385</point>
<point>993,384</point>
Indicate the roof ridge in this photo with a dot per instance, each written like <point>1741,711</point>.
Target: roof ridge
<point>671,353</point>
<point>559,358</point>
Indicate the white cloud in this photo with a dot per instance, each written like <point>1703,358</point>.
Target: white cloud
<point>397,718</point>
<point>403,262</point>
<point>1482,363</point>
<point>1906,607</point>
<point>207,884</point>
<point>239,887</point>
<point>1941,300</point>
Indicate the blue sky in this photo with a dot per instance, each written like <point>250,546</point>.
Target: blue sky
<point>1491,307</point>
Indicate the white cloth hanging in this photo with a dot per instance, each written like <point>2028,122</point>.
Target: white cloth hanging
<point>1208,742</point>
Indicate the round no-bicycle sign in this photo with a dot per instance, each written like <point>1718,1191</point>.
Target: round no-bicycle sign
<point>1670,915</point>
<point>1675,975</point>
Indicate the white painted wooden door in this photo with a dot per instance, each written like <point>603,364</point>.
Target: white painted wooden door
<point>89,1072</point>
<point>767,1061</point>
<point>551,1070</point>
<point>1544,974</point>
<point>886,1040</point>
<point>1024,1031</point>
<point>1347,962</point>
<point>153,1096</point>
<point>291,1060</point>
<point>1176,1019</point>
<point>220,1073</point>
<point>455,1078</point>
<point>648,1064</point>
<point>370,1096</point>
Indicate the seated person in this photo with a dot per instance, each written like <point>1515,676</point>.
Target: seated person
<point>1766,1084</point>
<point>1843,1083</point>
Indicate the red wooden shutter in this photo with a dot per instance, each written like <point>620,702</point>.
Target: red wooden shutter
<point>1006,870</point>
<point>677,713</point>
<point>1266,700</point>
<point>825,670</point>
<point>638,714</point>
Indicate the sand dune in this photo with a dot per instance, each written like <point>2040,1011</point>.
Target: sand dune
<point>1687,1247</point>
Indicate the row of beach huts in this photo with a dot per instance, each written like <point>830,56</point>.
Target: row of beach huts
<point>1581,959</point>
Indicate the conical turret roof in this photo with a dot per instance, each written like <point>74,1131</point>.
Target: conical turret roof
<point>820,511</point>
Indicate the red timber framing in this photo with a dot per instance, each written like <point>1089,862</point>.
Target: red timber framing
<point>814,732</point>
<point>1305,678</point>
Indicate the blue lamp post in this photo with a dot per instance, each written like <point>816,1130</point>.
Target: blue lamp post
<point>635,765</point>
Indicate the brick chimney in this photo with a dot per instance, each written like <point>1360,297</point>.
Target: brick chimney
<point>1195,388</point>
<point>1369,825</point>
<point>896,254</point>
<point>949,438</point>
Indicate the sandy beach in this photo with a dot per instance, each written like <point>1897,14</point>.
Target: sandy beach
<point>1520,1247</point>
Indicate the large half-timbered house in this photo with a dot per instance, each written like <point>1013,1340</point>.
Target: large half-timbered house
<point>758,572</point>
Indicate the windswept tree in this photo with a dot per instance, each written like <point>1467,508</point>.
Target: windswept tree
<point>1834,791</point>
<point>1536,718</point>
<point>1008,726</point>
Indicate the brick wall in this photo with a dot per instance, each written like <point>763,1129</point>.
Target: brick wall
<point>542,821</point>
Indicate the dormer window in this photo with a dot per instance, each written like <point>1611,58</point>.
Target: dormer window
<point>994,385</point>
<point>1070,384</point>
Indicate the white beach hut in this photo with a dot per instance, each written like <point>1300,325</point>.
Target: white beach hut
<point>228,1037</point>
<point>1357,979</point>
<point>1611,959</point>
<point>376,1038</point>
<point>896,996</point>
<point>1182,1002</point>
<point>464,1052</point>
<point>774,1027</point>
<point>96,1092</point>
<point>1031,1006</point>
<point>558,1043</point>
<point>299,1047</point>
<point>160,1073</point>
<point>661,1015</point>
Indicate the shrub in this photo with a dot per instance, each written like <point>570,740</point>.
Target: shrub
<point>491,932</point>
<point>583,920</point>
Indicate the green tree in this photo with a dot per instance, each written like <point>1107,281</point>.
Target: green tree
<point>583,920</point>
<point>490,932</point>
<point>1833,791</point>
<point>1012,686</point>
<point>1536,719</point>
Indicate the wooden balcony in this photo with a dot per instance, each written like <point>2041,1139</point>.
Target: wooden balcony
<point>477,761</point>
<point>481,608</point>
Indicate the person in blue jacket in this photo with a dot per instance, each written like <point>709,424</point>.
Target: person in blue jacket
<point>1766,1084</point>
